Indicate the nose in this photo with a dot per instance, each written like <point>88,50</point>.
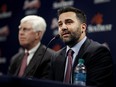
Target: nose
<point>64,27</point>
<point>21,31</point>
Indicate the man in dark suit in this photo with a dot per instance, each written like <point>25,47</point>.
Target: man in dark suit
<point>98,60</point>
<point>31,31</point>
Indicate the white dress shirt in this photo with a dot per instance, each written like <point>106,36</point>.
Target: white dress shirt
<point>31,52</point>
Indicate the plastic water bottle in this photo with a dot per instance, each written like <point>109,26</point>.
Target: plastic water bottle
<point>80,74</point>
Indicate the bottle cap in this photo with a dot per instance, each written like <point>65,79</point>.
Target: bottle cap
<point>81,60</point>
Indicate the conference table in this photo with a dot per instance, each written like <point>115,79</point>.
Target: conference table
<point>7,81</point>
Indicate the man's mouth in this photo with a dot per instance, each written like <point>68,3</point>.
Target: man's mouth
<point>65,34</point>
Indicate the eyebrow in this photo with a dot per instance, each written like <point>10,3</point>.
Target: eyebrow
<point>65,20</point>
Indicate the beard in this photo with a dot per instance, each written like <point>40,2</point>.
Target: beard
<point>72,39</point>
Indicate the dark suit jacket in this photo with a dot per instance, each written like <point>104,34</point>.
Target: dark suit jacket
<point>38,66</point>
<point>98,62</point>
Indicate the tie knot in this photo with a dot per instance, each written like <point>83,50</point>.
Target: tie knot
<point>27,53</point>
<point>70,52</point>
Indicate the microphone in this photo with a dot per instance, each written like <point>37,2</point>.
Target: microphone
<point>55,37</point>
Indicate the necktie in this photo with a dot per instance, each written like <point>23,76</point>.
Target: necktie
<point>23,65</point>
<point>67,78</point>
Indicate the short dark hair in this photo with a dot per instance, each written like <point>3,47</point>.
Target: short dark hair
<point>80,14</point>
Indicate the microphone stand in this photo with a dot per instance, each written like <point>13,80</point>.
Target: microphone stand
<point>56,37</point>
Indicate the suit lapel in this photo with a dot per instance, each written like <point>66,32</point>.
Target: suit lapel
<point>35,61</point>
<point>19,63</point>
<point>81,51</point>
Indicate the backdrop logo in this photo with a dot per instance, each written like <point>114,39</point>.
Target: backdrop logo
<point>31,7</point>
<point>100,1</point>
<point>97,26</point>
<point>4,32</point>
<point>3,12</point>
<point>54,26</point>
<point>62,3</point>
<point>97,19</point>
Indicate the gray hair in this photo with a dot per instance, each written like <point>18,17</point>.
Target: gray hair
<point>38,23</point>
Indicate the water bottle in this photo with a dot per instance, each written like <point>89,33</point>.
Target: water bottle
<point>80,74</point>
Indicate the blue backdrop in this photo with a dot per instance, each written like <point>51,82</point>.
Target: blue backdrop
<point>100,19</point>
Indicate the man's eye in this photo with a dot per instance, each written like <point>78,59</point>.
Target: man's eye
<point>60,24</point>
<point>69,22</point>
<point>25,29</point>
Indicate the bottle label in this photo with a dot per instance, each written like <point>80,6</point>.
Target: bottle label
<point>80,79</point>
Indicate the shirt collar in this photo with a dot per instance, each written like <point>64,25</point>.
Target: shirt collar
<point>77,46</point>
<point>33,49</point>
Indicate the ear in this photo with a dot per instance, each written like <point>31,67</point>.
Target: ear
<point>83,27</point>
<point>38,35</point>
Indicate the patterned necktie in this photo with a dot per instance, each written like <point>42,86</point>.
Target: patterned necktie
<point>23,65</point>
<point>67,78</point>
